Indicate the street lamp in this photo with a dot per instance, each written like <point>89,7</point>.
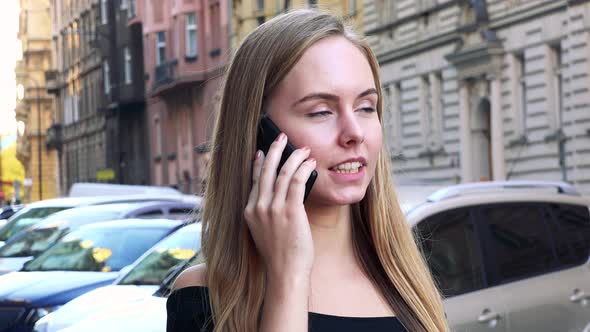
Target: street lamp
<point>20,96</point>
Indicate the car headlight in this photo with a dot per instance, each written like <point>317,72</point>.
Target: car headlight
<point>38,313</point>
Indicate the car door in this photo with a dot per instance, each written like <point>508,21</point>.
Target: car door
<point>539,252</point>
<point>453,252</point>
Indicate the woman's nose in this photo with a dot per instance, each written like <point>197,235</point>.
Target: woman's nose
<point>351,131</point>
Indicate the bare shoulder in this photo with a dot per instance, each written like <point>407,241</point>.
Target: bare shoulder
<point>193,276</point>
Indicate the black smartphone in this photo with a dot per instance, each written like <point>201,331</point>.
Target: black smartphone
<point>267,133</point>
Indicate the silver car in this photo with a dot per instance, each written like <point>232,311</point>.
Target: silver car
<point>509,256</point>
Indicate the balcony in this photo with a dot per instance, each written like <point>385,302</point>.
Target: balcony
<point>53,139</point>
<point>165,73</point>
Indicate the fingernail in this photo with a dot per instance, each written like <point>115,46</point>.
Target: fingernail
<point>281,137</point>
<point>305,148</point>
<point>311,160</point>
<point>258,154</point>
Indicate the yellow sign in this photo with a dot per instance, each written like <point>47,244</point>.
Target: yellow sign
<point>105,174</point>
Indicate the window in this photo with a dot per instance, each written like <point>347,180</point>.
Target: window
<point>106,71</point>
<point>393,120</point>
<point>452,252</point>
<point>518,241</point>
<point>520,104</point>
<point>313,3</point>
<point>426,109</point>
<point>160,47</point>
<point>191,35</point>
<point>152,214</point>
<point>570,226</point>
<point>124,4</point>
<point>260,20</point>
<point>557,84</point>
<point>434,111</point>
<point>104,12</point>
<point>215,29</point>
<point>180,214</point>
<point>127,55</point>
<point>260,5</point>
<point>131,10</point>
<point>351,7</point>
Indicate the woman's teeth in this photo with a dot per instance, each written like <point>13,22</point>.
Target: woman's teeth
<point>348,168</point>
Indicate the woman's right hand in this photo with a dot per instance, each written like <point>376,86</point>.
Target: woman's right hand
<point>275,212</point>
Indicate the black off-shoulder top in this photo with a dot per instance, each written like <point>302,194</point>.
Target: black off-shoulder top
<point>188,310</point>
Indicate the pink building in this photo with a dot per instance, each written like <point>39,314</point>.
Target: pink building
<point>186,47</point>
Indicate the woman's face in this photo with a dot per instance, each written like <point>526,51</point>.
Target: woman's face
<point>328,102</point>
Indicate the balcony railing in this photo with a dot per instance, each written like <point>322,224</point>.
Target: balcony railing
<point>165,73</point>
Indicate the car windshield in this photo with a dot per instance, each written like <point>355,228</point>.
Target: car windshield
<point>97,249</point>
<point>26,218</point>
<point>37,239</point>
<point>154,267</point>
<point>32,243</point>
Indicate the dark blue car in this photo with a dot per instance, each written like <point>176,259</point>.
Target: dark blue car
<point>81,261</point>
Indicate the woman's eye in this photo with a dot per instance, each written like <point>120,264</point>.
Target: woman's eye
<point>368,109</point>
<point>319,114</point>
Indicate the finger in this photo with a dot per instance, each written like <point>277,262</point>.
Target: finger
<point>256,170</point>
<point>286,173</point>
<point>296,192</point>
<point>269,170</point>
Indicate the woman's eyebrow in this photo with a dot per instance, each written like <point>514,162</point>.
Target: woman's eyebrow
<point>332,97</point>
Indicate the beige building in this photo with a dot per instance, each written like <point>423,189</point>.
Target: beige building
<point>248,14</point>
<point>485,89</point>
<point>34,109</point>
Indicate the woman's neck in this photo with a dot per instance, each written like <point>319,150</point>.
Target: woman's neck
<point>331,229</point>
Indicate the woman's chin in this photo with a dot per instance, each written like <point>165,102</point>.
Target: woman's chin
<point>345,197</point>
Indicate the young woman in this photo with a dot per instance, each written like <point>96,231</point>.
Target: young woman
<point>345,260</point>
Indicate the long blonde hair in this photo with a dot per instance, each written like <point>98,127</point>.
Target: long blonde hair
<point>383,241</point>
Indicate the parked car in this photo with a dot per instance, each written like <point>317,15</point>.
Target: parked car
<point>147,314</point>
<point>85,189</point>
<point>36,239</point>
<point>509,256</point>
<point>7,212</point>
<point>35,212</point>
<point>81,261</point>
<point>144,278</point>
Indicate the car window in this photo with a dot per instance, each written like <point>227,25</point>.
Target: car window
<point>151,214</point>
<point>169,252</point>
<point>180,213</point>
<point>25,218</point>
<point>32,243</point>
<point>96,250</point>
<point>452,252</point>
<point>570,226</point>
<point>518,241</point>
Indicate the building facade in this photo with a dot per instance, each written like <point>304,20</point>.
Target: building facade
<point>123,75</point>
<point>78,130</point>
<point>485,89</point>
<point>248,14</point>
<point>100,129</point>
<point>186,47</point>
<point>35,107</point>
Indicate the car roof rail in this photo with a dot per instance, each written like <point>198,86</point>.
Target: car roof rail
<point>479,187</point>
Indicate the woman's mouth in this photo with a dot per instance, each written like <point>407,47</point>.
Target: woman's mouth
<point>348,167</point>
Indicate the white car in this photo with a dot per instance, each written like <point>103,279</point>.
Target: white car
<point>133,289</point>
<point>145,315</point>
